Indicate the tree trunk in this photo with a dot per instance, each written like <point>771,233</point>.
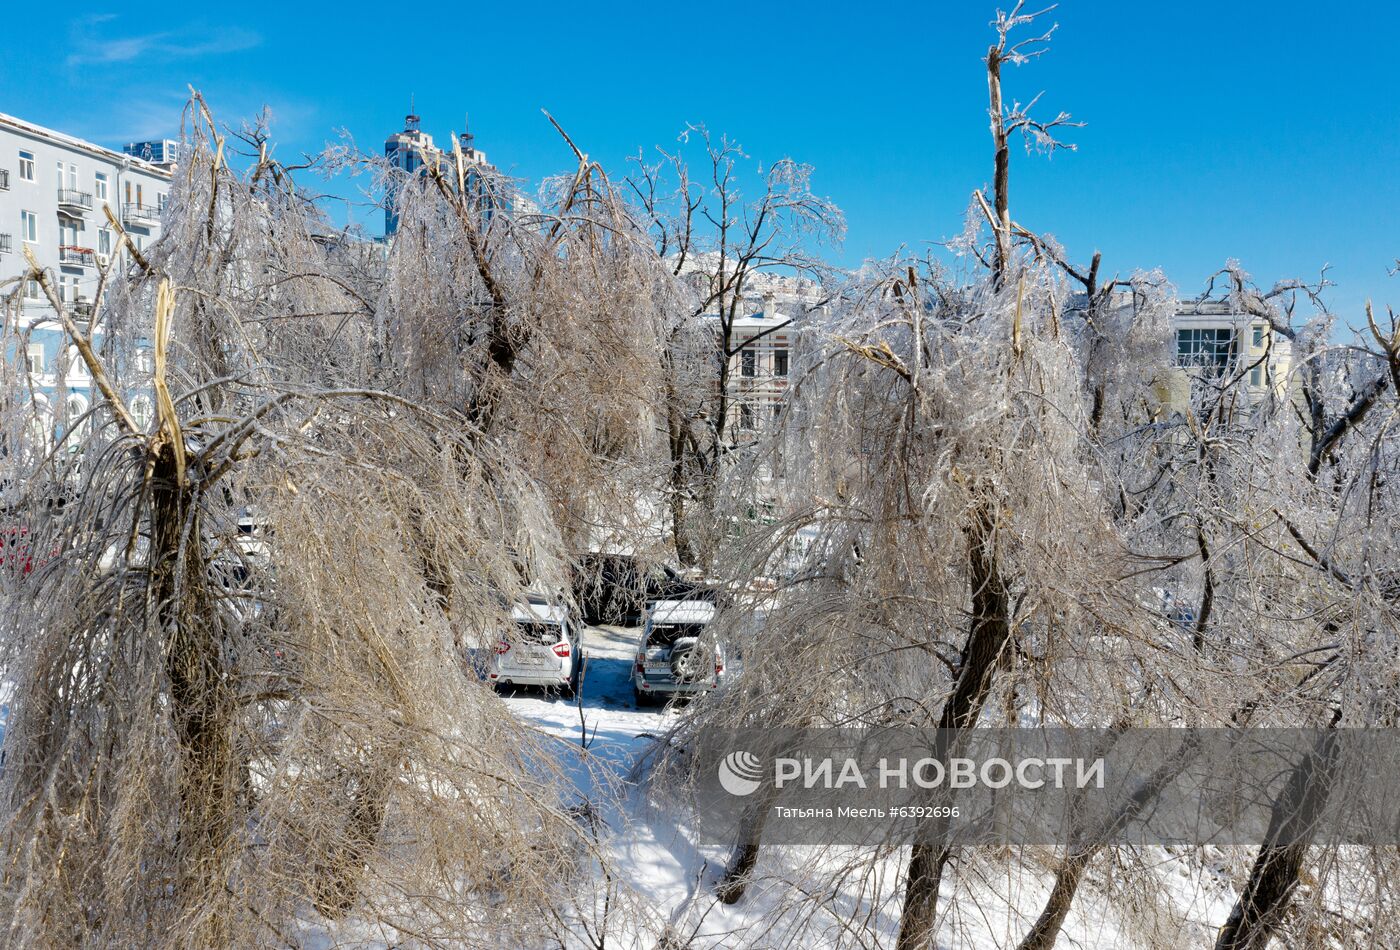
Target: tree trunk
<point>1001,182</point>
<point>1046,930</point>
<point>343,873</point>
<point>736,877</point>
<point>678,482</point>
<point>923,878</point>
<point>201,705</point>
<point>750,838</point>
<point>1292,826</point>
<point>988,637</point>
<point>1047,927</point>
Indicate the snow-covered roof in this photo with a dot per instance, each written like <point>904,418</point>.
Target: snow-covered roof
<point>538,613</point>
<point>759,321</point>
<point>29,128</point>
<point>755,281</point>
<point>1212,307</point>
<point>682,611</point>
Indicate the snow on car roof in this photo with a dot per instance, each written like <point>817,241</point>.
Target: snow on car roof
<point>682,611</point>
<point>539,613</point>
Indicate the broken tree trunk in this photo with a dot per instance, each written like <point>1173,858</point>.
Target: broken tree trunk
<point>201,702</point>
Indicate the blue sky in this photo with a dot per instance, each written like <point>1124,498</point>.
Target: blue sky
<point>1264,132</point>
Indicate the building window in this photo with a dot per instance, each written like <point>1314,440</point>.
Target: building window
<point>1258,336</point>
<point>142,411</point>
<point>32,291</point>
<point>29,227</point>
<point>780,362</point>
<point>138,194</point>
<point>74,407</point>
<point>36,433</point>
<point>745,416</point>
<point>26,166</point>
<point>1256,376</point>
<point>1210,348</point>
<point>748,363</point>
<point>99,185</point>
<point>36,358</point>
<point>67,288</point>
<point>104,241</point>
<point>128,193</point>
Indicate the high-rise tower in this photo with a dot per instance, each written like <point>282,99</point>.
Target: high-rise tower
<point>412,148</point>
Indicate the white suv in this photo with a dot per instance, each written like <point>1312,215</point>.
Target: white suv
<point>675,657</point>
<point>542,647</point>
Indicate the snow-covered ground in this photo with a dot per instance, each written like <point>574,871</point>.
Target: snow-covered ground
<point>674,879</point>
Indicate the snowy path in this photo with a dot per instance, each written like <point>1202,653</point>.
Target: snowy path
<point>675,879</point>
<point>658,860</point>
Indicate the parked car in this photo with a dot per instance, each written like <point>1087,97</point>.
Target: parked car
<point>615,589</point>
<point>675,654</point>
<point>542,647</point>
<point>254,538</point>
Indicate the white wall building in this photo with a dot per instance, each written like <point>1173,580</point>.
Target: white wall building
<point>53,188</point>
<point>766,340</point>
<point>759,371</point>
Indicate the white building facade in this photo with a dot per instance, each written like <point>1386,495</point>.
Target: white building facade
<point>53,190</point>
<point>759,371</point>
<point>766,344</point>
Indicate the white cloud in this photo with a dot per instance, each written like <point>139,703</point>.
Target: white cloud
<point>98,42</point>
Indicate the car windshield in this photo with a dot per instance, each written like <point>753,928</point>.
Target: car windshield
<point>532,632</point>
<point>665,634</point>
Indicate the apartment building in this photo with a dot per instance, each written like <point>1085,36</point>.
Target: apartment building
<point>411,149</point>
<point>1216,347</point>
<point>759,370</point>
<point>766,340</point>
<point>1215,350</point>
<point>53,191</point>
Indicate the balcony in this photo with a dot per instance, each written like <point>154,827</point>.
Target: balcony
<point>140,216</point>
<point>4,179</point>
<point>5,246</point>
<point>81,312</point>
<point>77,256</point>
<point>72,201</point>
